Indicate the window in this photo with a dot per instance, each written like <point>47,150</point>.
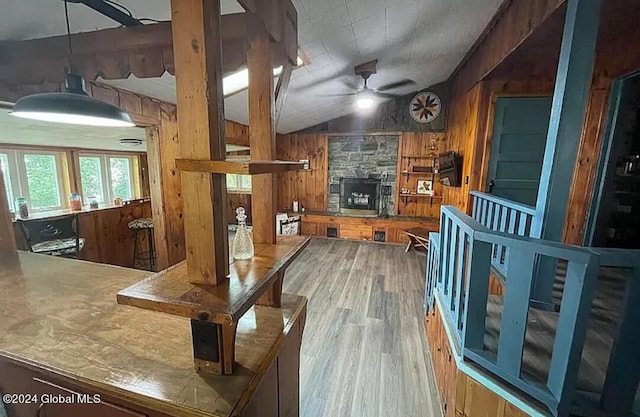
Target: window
<point>107,177</point>
<point>239,183</point>
<point>35,176</point>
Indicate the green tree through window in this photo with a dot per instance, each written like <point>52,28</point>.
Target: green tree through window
<point>42,179</point>
<point>121,178</point>
<point>91,176</point>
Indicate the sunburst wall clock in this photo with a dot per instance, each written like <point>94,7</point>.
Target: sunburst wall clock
<point>425,107</point>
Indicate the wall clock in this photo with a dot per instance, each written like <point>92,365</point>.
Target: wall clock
<point>425,107</point>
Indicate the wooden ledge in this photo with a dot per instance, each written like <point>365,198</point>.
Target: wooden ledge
<point>234,166</point>
<point>170,292</point>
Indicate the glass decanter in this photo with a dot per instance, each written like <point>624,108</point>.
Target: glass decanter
<point>242,242</point>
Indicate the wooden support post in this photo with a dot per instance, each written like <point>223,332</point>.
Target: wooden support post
<point>262,138</point>
<point>8,252</point>
<point>273,296</point>
<point>575,70</point>
<point>197,54</point>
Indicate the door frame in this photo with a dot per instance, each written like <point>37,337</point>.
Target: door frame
<point>605,165</point>
<point>488,133</point>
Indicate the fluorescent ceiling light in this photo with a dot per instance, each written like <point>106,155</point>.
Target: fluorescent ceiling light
<point>239,80</point>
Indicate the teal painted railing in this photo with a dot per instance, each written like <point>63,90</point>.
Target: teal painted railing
<point>458,270</point>
<point>502,215</point>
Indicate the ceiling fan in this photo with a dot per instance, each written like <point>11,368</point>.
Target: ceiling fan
<point>366,97</point>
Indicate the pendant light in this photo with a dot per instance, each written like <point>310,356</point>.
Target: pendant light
<point>73,106</point>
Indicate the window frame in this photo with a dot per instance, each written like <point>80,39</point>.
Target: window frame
<point>20,182</point>
<point>105,174</point>
<point>238,188</point>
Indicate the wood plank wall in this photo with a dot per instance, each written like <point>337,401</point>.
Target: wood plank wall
<point>162,150</point>
<point>308,187</point>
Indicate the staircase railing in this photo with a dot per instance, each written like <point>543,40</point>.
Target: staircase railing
<point>461,284</point>
<point>502,215</point>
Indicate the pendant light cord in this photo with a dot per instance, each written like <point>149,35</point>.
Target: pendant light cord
<point>66,15</point>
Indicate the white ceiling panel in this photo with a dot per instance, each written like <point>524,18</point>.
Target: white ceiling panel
<point>423,40</point>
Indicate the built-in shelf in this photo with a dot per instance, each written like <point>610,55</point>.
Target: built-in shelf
<point>416,195</point>
<point>419,157</point>
<point>418,174</point>
<point>237,166</point>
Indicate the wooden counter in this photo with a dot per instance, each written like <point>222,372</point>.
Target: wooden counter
<point>62,331</point>
<point>108,238</point>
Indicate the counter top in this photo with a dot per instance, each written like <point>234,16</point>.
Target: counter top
<point>390,218</point>
<point>85,210</point>
<point>61,315</point>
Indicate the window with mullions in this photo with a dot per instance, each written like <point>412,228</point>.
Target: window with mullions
<point>239,183</point>
<point>107,177</point>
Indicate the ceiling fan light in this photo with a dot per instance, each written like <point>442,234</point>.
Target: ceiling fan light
<point>71,107</point>
<point>364,103</point>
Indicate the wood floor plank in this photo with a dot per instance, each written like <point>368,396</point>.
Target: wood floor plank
<point>364,351</point>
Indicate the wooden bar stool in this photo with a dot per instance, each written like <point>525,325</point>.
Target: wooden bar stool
<point>143,258</point>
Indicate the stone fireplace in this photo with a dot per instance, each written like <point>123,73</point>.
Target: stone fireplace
<point>368,163</point>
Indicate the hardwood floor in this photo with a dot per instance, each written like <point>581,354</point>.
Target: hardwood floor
<point>364,350</point>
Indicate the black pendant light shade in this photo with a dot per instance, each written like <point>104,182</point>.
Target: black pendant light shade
<point>73,106</point>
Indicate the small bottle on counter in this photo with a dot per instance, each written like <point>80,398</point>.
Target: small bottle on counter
<point>75,202</point>
<point>296,206</point>
<point>22,208</point>
<point>117,201</point>
<point>93,202</point>
<point>242,241</point>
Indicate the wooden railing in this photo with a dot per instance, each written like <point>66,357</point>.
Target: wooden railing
<point>461,284</point>
<point>502,215</point>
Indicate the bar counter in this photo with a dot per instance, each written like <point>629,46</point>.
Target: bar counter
<point>61,331</point>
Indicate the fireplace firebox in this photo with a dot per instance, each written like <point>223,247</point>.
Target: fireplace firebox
<point>359,196</point>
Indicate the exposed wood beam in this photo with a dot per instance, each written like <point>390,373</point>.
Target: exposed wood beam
<point>198,59</point>
<point>282,88</point>
<point>238,166</point>
<point>144,51</point>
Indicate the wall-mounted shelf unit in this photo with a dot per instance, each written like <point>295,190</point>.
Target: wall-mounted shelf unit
<point>431,198</point>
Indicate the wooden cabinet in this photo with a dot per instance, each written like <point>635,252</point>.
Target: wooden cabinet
<point>390,230</point>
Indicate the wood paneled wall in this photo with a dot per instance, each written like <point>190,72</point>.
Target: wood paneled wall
<point>162,150</point>
<point>461,395</point>
<point>308,187</point>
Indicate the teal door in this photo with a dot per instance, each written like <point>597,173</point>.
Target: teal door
<point>517,148</point>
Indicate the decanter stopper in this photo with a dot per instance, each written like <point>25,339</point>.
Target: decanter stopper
<point>243,241</point>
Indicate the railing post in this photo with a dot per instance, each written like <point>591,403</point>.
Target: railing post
<point>623,374</point>
<point>571,331</point>
<point>573,80</point>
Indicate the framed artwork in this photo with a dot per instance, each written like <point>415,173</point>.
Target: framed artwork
<point>424,187</point>
<point>425,107</point>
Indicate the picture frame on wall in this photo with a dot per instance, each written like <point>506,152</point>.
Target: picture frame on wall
<point>424,187</point>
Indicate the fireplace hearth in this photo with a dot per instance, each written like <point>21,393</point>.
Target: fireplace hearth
<point>360,196</point>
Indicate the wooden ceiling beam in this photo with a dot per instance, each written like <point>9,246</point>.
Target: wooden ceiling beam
<point>144,51</point>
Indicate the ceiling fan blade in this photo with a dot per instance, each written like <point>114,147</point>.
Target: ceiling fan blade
<point>397,84</point>
<point>387,95</point>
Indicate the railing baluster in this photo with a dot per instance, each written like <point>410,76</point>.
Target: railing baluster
<point>483,214</point>
<point>571,330</point>
<point>515,309</point>
<point>459,296</point>
<point>451,271</point>
<point>479,266</point>
<point>522,224</point>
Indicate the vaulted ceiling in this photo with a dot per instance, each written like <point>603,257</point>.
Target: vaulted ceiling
<point>423,40</point>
